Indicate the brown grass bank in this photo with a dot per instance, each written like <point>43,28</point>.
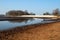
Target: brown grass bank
<point>50,31</point>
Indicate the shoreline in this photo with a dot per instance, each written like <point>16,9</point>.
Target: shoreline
<point>36,30</point>
<point>29,25</point>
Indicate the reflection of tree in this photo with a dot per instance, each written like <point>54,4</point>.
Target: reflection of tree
<point>21,20</point>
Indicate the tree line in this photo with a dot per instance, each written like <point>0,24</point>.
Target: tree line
<point>19,13</point>
<point>55,12</point>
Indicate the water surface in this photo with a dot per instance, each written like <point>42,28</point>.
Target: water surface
<point>8,24</point>
<point>11,24</point>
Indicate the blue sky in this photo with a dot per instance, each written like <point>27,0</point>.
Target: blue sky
<point>35,6</point>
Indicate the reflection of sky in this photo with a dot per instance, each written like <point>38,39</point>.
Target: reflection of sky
<point>36,6</point>
<point>7,25</point>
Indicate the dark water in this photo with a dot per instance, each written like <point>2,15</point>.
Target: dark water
<point>7,24</point>
<point>14,23</point>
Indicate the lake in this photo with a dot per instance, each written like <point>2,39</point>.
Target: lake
<point>11,24</point>
<point>8,24</point>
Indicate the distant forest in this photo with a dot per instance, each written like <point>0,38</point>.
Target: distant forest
<point>20,12</point>
<point>55,12</point>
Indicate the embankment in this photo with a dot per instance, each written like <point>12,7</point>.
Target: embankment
<point>49,31</point>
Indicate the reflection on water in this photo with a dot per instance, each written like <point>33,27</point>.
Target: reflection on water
<point>4,25</point>
<point>14,23</point>
<point>21,20</point>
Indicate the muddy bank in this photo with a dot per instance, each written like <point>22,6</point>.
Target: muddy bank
<point>48,31</point>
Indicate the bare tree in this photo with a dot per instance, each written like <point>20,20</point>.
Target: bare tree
<point>56,12</point>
